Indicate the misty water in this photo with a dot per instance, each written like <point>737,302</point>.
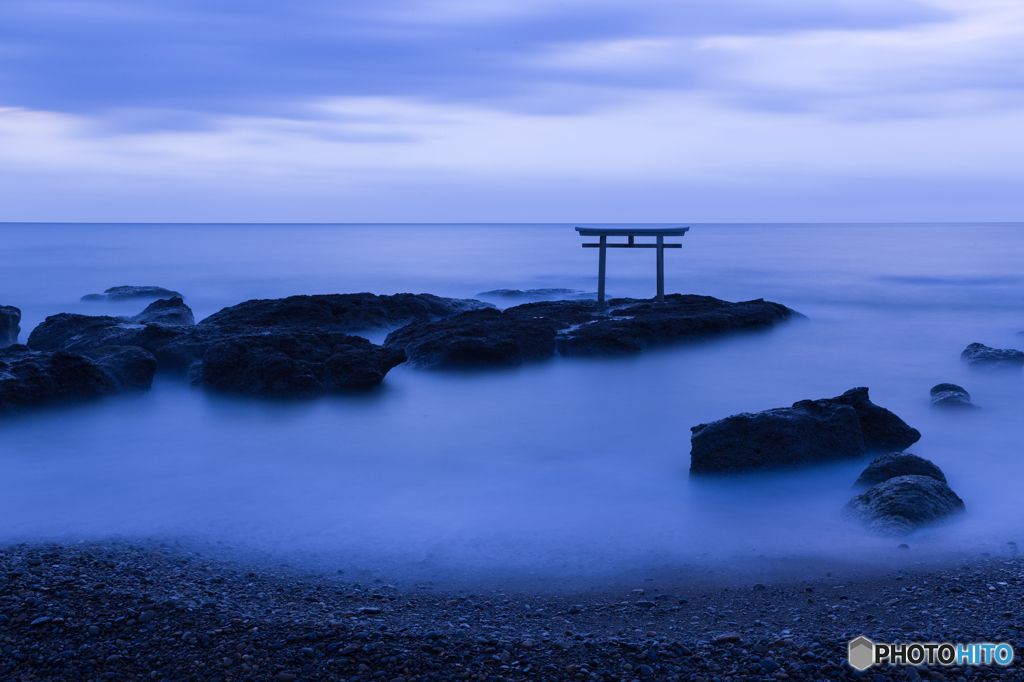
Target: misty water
<point>569,467</point>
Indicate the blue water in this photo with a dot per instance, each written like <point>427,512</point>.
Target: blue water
<point>563,467</point>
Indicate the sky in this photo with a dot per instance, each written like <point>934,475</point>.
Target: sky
<point>511,110</point>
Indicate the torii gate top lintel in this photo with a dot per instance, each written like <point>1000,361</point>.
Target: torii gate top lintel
<point>658,232</point>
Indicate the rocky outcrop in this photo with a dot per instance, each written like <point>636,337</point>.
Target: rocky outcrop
<point>293,363</point>
<point>980,356</point>
<point>131,367</point>
<point>951,396</point>
<point>34,379</point>
<point>126,292</point>
<point>580,329</point>
<point>10,317</point>
<point>903,504</point>
<point>74,332</point>
<point>883,431</point>
<point>341,312</point>
<point>166,311</point>
<point>893,464</point>
<point>475,339</point>
<point>809,432</point>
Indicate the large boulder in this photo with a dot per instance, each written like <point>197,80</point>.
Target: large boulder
<point>131,367</point>
<point>903,504</point>
<point>980,356</point>
<point>166,311</point>
<point>293,363</point>
<point>807,433</point>
<point>883,431</point>
<point>893,464</point>
<point>951,395</point>
<point>341,312</point>
<point>474,339</point>
<point>10,317</point>
<point>75,332</point>
<point>126,292</point>
<point>33,379</point>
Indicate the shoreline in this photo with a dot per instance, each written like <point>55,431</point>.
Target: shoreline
<point>139,610</point>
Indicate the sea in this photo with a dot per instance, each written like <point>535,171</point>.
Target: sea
<point>566,469</point>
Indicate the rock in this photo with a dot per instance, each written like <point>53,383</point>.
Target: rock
<point>341,312</point>
<point>294,362</point>
<point>896,464</point>
<point>131,367</point>
<point>125,292</point>
<point>903,504</point>
<point>981,356</point>
<point>535,294</point>
<point>474,339</point>
<point>166,311</point>
<point>34,379</point>
<point>728,637</point>
<point>883,431</point>
<point>951,395</point>
<point>807,433</point>
<point>10,317</point>
<point>74,332</point>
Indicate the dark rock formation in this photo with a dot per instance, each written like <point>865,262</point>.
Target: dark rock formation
<point>807,433</point>
<point>951,395</point>
<point>981,356</point>
<point>9,327</point>
<point>166,311</point>
<point>131,367</point>
<point>293,362</point>
<point>883,431</point>
<point>31,379</point>
<point>811,431</point>
<point>126,292</point>
<point>536,294</point>
<point>74,332</point>
<point>903,504</point>
<point>580,328</point>
<point>895,464</point>
<point>341,312</point>
<point>474,339</point>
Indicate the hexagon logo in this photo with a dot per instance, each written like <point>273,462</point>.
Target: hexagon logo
<point>861,653</point>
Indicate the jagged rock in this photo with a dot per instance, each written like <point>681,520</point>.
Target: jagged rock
<point>131,367</point>
<point>883,431</point>
<point>810,432</point>
<point>341,312</point>
<point>293,362</point>
<point>581,328</point>
<point>981,356</point>
<point>34,379</point>
<point>126,292</point>
<point>166,311</point>
<point>951,395</point>
<point>903,504</point>
<point>9,329</point>
<point>74,332</point>
<point>895,464</point>
<point>473,339</point>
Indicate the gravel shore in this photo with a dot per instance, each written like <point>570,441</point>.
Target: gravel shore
<point>119,611</point>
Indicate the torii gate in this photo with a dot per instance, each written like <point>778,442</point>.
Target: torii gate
<point>631,232</point>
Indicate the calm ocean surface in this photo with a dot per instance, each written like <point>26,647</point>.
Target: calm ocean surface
<point>564,467</point>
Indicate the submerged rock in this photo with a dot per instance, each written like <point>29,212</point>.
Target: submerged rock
<point>34,379</point>
<point>131,367</point>
<point>341,312</point>
<point>883,430</point>
<point>293,362</point>
<point>903,504</point>
<point>474,339</point>
<point>536,294</point>
<point>166,311</point>
<point>895,464</point>
<point>951,395</point>
<point>981,356</point>
<point>807,433</point>
<point>580,328</point>
<point>125,292</point>
<point>10,317</point>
